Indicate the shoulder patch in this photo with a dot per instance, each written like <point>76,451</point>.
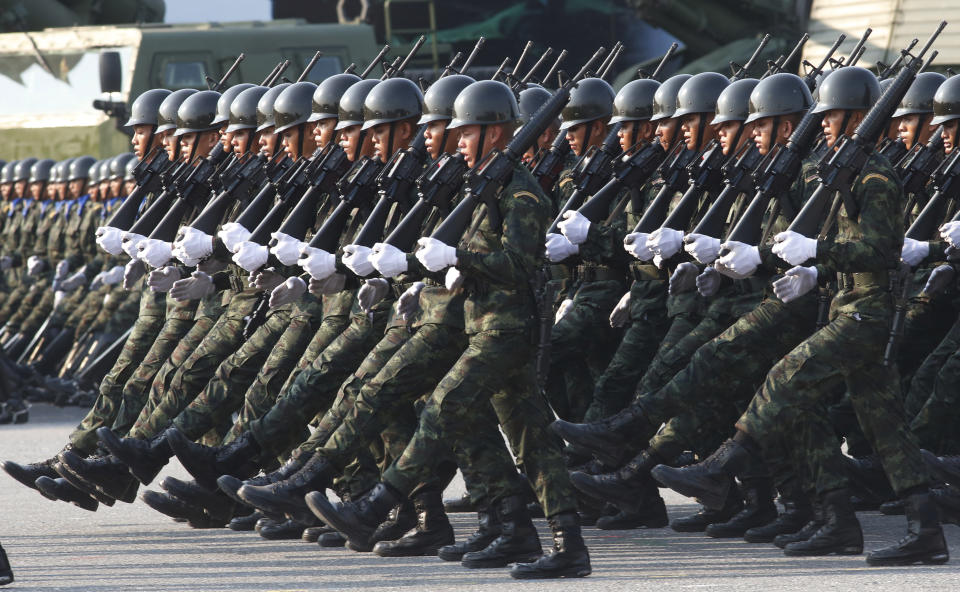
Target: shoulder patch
<point>882,178</point>
<point>566,181</point>
<point>811,178</point>
<point>527,194</point>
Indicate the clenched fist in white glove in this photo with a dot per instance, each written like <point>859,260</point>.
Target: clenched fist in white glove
<point>409,302</point>
<point>195,287</point>
<point>635,243</point>
<point>250,256</point>
<point>232,234</point>
<point>453,280</point>
<point>434,255</point>
<point>357,260</point>
<point>193,243</point>
<point>621,312</point>
<point>708,282</point>
<point>388,260</point>
<point>114,275</point>
<point>287,249</point>
<point>110,239</point>
<point>266,280</point>
<point>61,270</point>
<point>155,253</point>
<point>162,280</point>
<point>131,242</point>
<point>287,292</point>
<point>741,260</point>
<point>371,292</point>
<point>795,283</point>
<point>793,247</point>
<point>35,265</point>
<point>132,271</point>
<point>559,248</point>
<point>574,226</point>
<point>684,278</point>
<point>701,247</point>
<point>331,284</point>
<point>665,242</point>
<point>6,262</point>
<point>914,251</point>
<point>565,307</point>
<point>317,262</point>
<point>73,282</point>
<point>950,232</point>
<point>940,279</point>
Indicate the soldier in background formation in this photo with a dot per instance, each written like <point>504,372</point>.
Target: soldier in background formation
<point>296,288</point>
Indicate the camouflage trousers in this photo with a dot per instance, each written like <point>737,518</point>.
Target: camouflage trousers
<point>791,403</point>
<point>281,428</point>
<point>224,393</point>
<point>935,423</point>
<point>109,400</point>
<point>191,366</point>
<point>36,303</point>
<point>641,340</point>
<point>925,378</point>
<point>496,368</point>
<point>24,294</point>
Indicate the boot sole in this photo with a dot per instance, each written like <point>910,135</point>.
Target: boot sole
<point>664,475</point>
<point>323,509</point>
<point>257,499</point>
<point>571,573</point>
<point>935,559</point>
<point>81,484</point>
<point>823,552</point>
<point>503,562</point>
<point>584,483</point>
<point>115,445</point>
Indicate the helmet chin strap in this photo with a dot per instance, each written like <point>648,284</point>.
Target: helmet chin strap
<point>736,139</point>
<point>301,129</point>
<point>700,129</point>
<point>483,136</point>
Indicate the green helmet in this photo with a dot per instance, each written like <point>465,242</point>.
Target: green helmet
<point>129,168</point>
<point>197,113</point>
<point>486,102</point>
<point>293,105</point>
<point>849,88</point>
<point>733,104</point>
<point>243,109</point>
<point>531,99</point>
<point>699,93</point>
<point>265,106</point>
<point>780,94</point>
<point>665,99</point>
<point>80,168</point>
<point>439,98</point>
<point>145,107</point>
<point>919,97</point>
<point>350,108</point>
<point>59,172</point>
<point>40,171</point>
<point>326,99</point>
<point>590,99</point>
<point>98,172</point>
<point>634,102</point>
<point>226,99</point>
<point>167,111</point>
<point>946,103</point>
<point>392,100</point>
<point>118,164</point>
<point>22,171</point>
<point>6,174</point>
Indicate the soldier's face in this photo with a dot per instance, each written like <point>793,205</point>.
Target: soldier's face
<point>94,192</point>
<point>911,132</point>
<point>104,188</point>
<point>666,131</point>
<point>129,186</point>
<point>469,143</point>
<point>350,140</point>
<point>324,132</point>
<point>577,136</point>
<point>5,190</point>
<point>20,188</point>
<point>434,136</point>
<point>116,186</point>
<point>696,132</point>
<point>727,134</point>
<point>383,140</point>
<point>240,141</point>
<point>548,136</point>
<point>76,188</point>
<point>36,190</point>
<point>140,140</point>
<point>267,142</point>
<point>833,124</point>
<point>170,144</point>
<point>226,138</point>
<point>290,140</point>
<point>949,135</point>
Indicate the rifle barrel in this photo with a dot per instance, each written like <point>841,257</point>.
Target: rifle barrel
<point>556,64</point>
<point>413,51</point>
<point>266,81</point>
<point>373,63</point>
<point>229,72</point>
<point>279,72</point>
<point>523,57</point>
<point>473,54</point>
<point>536,66</point>
<point>663,61</point>
<point>310,65</point>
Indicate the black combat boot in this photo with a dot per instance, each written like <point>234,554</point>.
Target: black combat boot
<point>332,540</point>
<point>797,511</point>
<point>356,520</point>
<point>144,458</point>
<point>489,528</point>
<point>947,499</point>
<point>840,533</point>
<point>808,530</point>
<point>6,573</point>
<point>207,463</point>
<point>402,518</point>
<point>458,506</point>
<point>652,512</point>
<point>245,523</point>
<point>709,481</point>
<point>14,411</point>
<point>179,509</point>
<point>230,484</point>
<point>59,489</point>
<point>605,438</point>
<point>623,488</point>
<point>90,488</point>
<point>287,496</point>
<point>758,509</point>
<point>29,473</point>
<point>944,468</point>
<point>312,534</point>
<point>103,474</point>
<point>285,530</point>
<point>433,530</point>
<point>217,505</point>
<point>569,557</point>
<point>924,542</point>
<point>699,522</point>
<point>518,541</point>
<point>868,482</point>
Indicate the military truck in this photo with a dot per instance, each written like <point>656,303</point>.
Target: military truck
<point>49,79</point>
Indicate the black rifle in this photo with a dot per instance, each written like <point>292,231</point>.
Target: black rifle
<point>356,190</point>
<point>322,177</point>
<point>738,179</point>
<point>918,166</point>
<point>782,62</point>
<point>247,173</point>
<point>152,216</point>
<point>592,172</point>
<point>632,169</point>
<point>148,174</point>
<point>549,164</point>
<point>258,207</point>
<point>739,72</point>
<point>673,171</point>
<point>218,84</point>
<point>706,174</point>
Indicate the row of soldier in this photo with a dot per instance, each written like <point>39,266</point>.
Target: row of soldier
<point>427,297</point>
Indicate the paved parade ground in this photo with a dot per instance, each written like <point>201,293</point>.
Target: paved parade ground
<point>55,546</point>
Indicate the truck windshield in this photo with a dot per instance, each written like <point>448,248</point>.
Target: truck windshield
<point>28,88</point>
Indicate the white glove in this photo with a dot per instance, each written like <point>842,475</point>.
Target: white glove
<point>232,234</point>
<point>73,282</point>
<point>388,260</point>
<point>794,248</point>
<point>317,262</point>
<point>621,312</point>
<point>950,232</point>
<point>665,242</point>
<point>371,292</point>
<point>155,253</point>
<point>114,275</point>
<point>701,247</point>
<point>130,241</point>
<point>287,292</point>
<point>795,283</point>
<point>195,287</point>
<point>6,262</point>
<point>409,302</point>
<point>58,297</point>
<point>574,226</point>
<point>914,251</point>
<point>194,244</point>
<point>132,271</point>
<point>740,261</point>
<point>266,280</point>
<point>61,270</point>
<point>35,265</point>
<point>331,284</point>
<point>357,260</point>
<point>684,278</point>
<point>287,250</point>
<point>110,239</point>
<point>250,256</point>
<point>187,260</point>
<point>453,280</point>
<point>434,255</point>
<point>559,247</point>
<point>635,243</point>
<point>708,282</point>
<point>940,278</point>
<point>161,280</point>
<point>97,280</point>
<point>565,307</point>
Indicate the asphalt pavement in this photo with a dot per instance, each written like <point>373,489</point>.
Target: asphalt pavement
<point>129,547</point>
